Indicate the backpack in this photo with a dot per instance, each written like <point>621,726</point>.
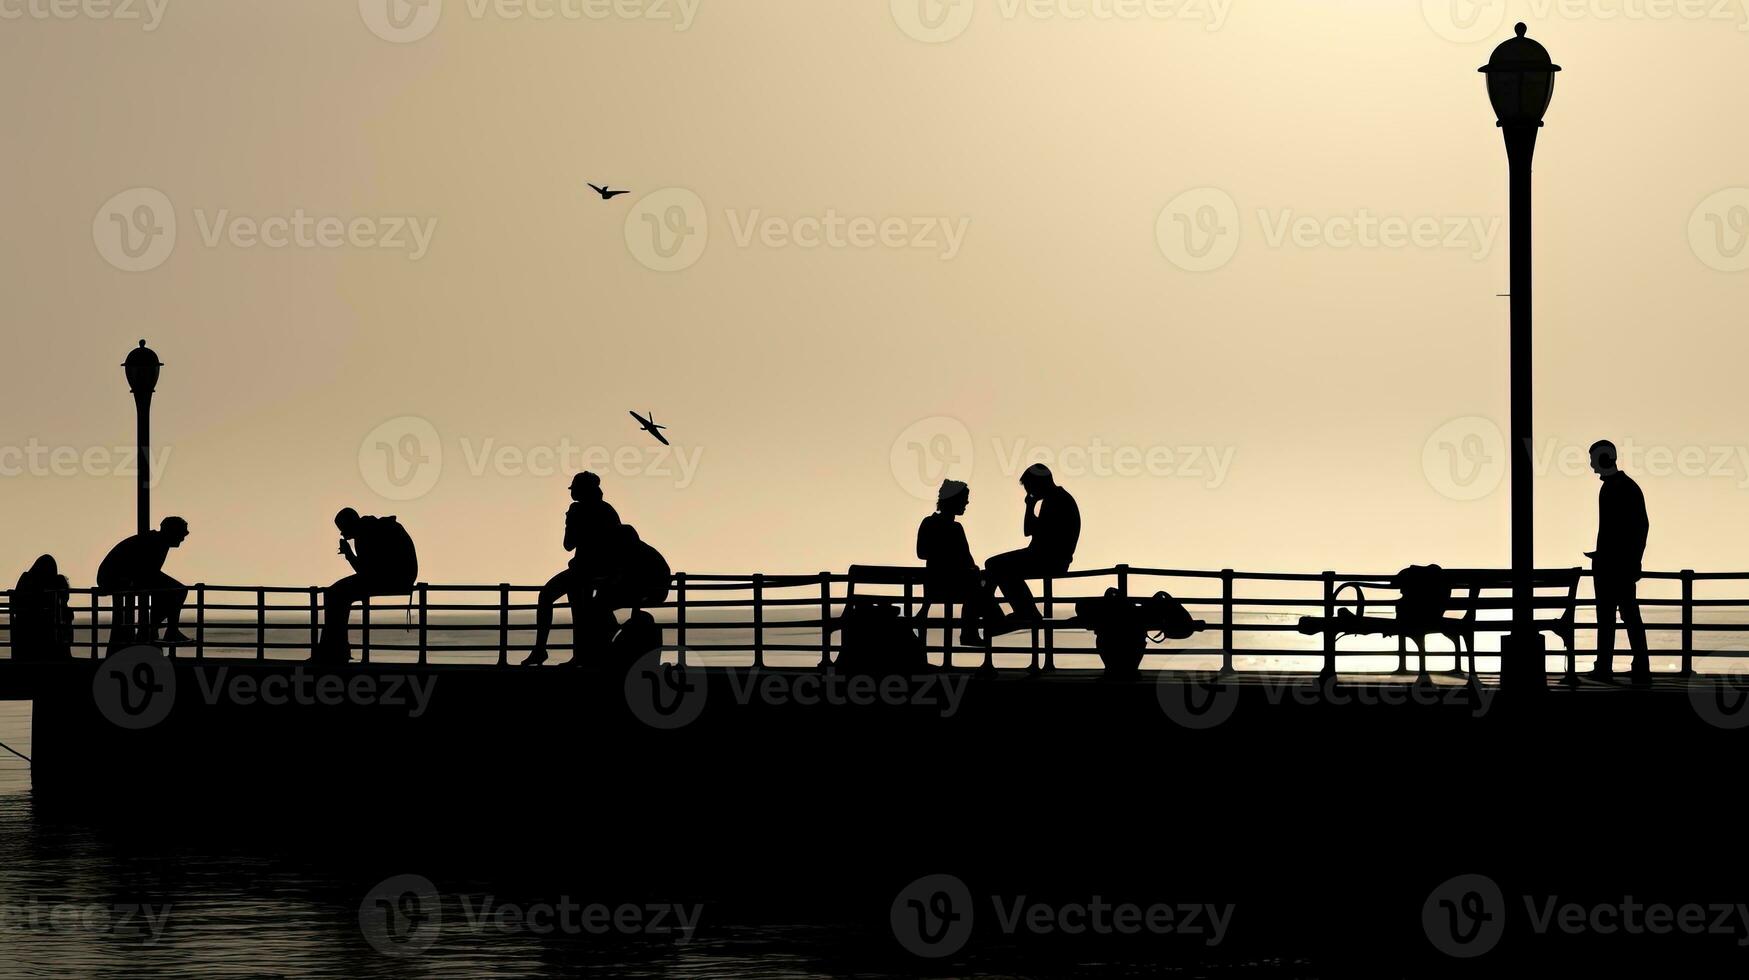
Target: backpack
<point>1121,626</point>
<point>1425,593</point>
<point>878,641</point>
<point>391,554</point>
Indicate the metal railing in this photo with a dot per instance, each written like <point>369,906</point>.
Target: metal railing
<point>754,620</point>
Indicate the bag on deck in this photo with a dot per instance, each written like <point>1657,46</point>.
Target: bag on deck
<point>1121,626</point>
<point>1425,593</point>
<point>878,641</point>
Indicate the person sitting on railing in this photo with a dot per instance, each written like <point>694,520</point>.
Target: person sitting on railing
<point>953,574</point>
<point>134,569</point>
<point>384,562</point>
<point>591,527</point>
<point>42,622</point>
<point>1615,565</point>
<point>1053,522</point>
<point>635,576</point>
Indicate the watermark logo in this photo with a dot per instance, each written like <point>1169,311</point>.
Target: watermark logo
<point>933,916</point>
<point>667,230</point>
<point>34,459</point>
<point>401,21</point>
<point>401,459</point>
<point>1465,916</point>
<point>1199,230</point>
<point>1465,459</point>
<point>143,922</point>
<point>135,688</point>
<point>1718,230</point>
<point>135,230</point>
<point>1722,701</point>
<point>664,696</point>
<point>1197,704</point>
<point>150,13</point>
<point>929,451</point>
<point>933,21</point>
<point>1465,21</point>
<point>402,916</point>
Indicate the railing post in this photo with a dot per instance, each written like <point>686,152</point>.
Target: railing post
<point>200,620</point>
<point>1688,622</point>
<point>825,620</point>
<point>260,624</point>
<point>1329,618</point>
<point>424,622</point>
<point>364,632</point>
<point>680,619</point>
<point>94,624</point>
<point>315,620</point>
<point>1050,631</point>
<point>503,624</point>
<point>1226,620</point>
<point>758,621</point>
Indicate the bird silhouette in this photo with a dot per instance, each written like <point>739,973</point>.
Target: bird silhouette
<point>649,425</point>
<point>607,195</point>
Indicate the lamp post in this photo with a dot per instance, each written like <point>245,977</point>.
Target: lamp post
<point>1521,82</point>
<point>142,367</point>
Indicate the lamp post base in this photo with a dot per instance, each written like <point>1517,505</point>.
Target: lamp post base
<point>1523,662</point>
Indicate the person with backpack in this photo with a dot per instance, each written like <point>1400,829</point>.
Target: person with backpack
<point>591,528</point>
<point>635,577</point>
<point>384,562</point>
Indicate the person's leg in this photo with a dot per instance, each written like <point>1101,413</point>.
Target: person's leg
<point>1605,589</point>
<point>1008,572</point>
<point>337,602</point>
<point>559,585</point>
<point>167,599</point>
<point>1628,600</point>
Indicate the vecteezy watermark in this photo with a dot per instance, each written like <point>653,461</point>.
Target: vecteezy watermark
<point>406,21</point>
<point>403,916</point>
<point>938,21</point>
<point>1200,230</point>
<point>140,921</point>
<point>1469,21</point>
<point>1202,703</point>
<point>34,459</point>
<point>1721,701</point>
<point>136,231</point>
<point>402,459</point>
<point>1466,459</point>
<point>939,448</point>
<point>147,13</point>
<point>1466,917</point>
<point>934,917</point>
<point>137,688</point>
<point>668,231</point>
<point>1718,230</point>
<point>668,697</point>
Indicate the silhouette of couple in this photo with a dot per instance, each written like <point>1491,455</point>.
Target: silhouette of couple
<point>611,568</point>
<point>1053,525</point>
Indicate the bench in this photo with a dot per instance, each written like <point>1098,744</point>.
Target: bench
<point>1554,589</point>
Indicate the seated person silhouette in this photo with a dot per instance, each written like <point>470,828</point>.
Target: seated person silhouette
<point>953,575</point>
<point>384,562</point>
<point>134,569</point>
<point>1053,522</point>
<point>633,575</point>
<point>591,528</point>
<point>41,619</point>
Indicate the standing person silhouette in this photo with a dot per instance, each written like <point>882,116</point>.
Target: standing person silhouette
<point>383,563</point>
<point>591,533</point>
<point>953,575</point>
<point>1615,565</point>
<point>136,565</point>
<point>1053,522</point>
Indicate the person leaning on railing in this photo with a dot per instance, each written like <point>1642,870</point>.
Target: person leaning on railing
<point>134,569</point>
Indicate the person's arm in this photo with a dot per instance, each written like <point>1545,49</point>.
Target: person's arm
<point>1032,518</point>
<point>347,552</point>
<point>923,540</point>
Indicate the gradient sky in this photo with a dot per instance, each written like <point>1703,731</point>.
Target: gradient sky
<point>1231,265</point>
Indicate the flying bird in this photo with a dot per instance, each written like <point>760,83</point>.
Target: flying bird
<point>649,425</point>
<point>607,195</point>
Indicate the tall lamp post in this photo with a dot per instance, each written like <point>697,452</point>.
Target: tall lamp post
<point>142,367</point>
<point>1521,81</point>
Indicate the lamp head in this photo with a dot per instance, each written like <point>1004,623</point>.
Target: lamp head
<point>1521,80</point>
<point>142,366</point>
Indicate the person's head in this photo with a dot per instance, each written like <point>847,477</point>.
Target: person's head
<point>1037,479</point>
<point>1603,457</point>
<point>953,497</point>
<point>585,486</point>
<point>347,521</point>
<point>175,529</point>
<point>45,567</point>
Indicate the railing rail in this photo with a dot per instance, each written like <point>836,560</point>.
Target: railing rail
<point>789,620</point>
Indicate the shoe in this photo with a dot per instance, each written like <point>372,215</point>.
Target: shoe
<point>535,659</point>
<point>971,640</point>
<point>174,637</point>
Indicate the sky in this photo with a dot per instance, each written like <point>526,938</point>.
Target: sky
<point>1232,268</point>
